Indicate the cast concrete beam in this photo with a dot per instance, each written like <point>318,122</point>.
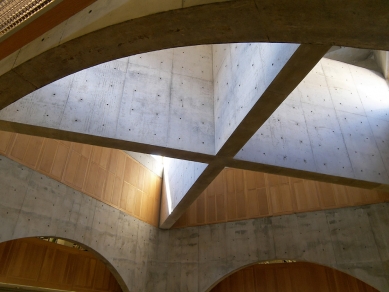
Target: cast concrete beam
<point>110,30</point>
<point>183,182</point>
<point>324,130</point>
<point>256,93</point>
<point>151,102</point>
<point>252,95</point>
<point>333,127</point>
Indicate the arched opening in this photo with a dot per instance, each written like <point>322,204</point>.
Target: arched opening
<point>41,263</point>
<point>285,275</point>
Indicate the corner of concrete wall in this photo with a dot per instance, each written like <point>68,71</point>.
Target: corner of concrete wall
<point>382,60</point>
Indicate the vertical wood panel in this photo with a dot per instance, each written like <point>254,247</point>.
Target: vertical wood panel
<point>100,183</point>
<point>90,185</point>
<point>291,277</point>
<point>247,194</point>
<point>141,178</point>
<point>7,138</point>
<point>47,157</point>
<point>137,202</point>
<point>20,147</point>
<point>5,251</point>
<point>211,206</point>
<point>341,197</point>
<point>326,195</point>
<point>85,272</point>
<point>131,200</point>
<point>134,177</point>
<point>145,206</point>
<point>72,167</point>
<point>117,191</point>
<point>192,214</point>
<point>26,261</point>
<point>97,171</point>
<point>220,208</point>
<point>59,162</point>
<point>80,177</point>
<point>200,214</point>
<point>102,277</point>
<point>33,151</point>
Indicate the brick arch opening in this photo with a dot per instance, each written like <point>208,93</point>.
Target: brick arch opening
<point>287,275</point>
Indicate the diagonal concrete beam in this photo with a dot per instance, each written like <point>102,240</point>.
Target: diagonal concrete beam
<point>335,118</point>
<point>288,66</point>
<point>333,128</point>
<point>183,182</point>
<point>152,102</point>
<point>267,89</point>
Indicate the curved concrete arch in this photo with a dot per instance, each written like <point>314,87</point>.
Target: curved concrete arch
<point>280,262</point>
<point>229,21</point>
<point>34,205</point>
<point>317,237</point>
<point>353,240</point>
<point>97,254</point>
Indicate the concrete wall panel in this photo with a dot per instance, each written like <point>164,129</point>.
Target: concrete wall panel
<point>143,257</point>
<point>144,111</point>
<point>242,73</point>
<point>179,177</point>
<point>341,120</point>
<point>163,98</point>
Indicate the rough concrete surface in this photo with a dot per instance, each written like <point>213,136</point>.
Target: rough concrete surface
<point>333,123</point>
<point>109,30</point>
<point>204,103</point>
<point>162,98</point>
<point>144,258</point>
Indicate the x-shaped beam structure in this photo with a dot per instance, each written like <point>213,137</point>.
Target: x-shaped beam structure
<point>251,83</point>
<point>204,122</point>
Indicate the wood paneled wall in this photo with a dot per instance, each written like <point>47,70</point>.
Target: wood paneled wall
<point>241,194</point>
<point>293,277</point>
<point>38,263</point>
<point>108,175</point>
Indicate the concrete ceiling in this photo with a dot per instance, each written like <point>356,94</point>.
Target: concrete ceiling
<point>239,105</point>
<point>248,106</point>
<point>364,58</point>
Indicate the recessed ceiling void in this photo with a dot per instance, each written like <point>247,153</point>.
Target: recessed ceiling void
<point>279,108</point>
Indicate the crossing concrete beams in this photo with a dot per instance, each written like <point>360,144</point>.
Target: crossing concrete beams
<point>167,102</point>
<point>184,103</point>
